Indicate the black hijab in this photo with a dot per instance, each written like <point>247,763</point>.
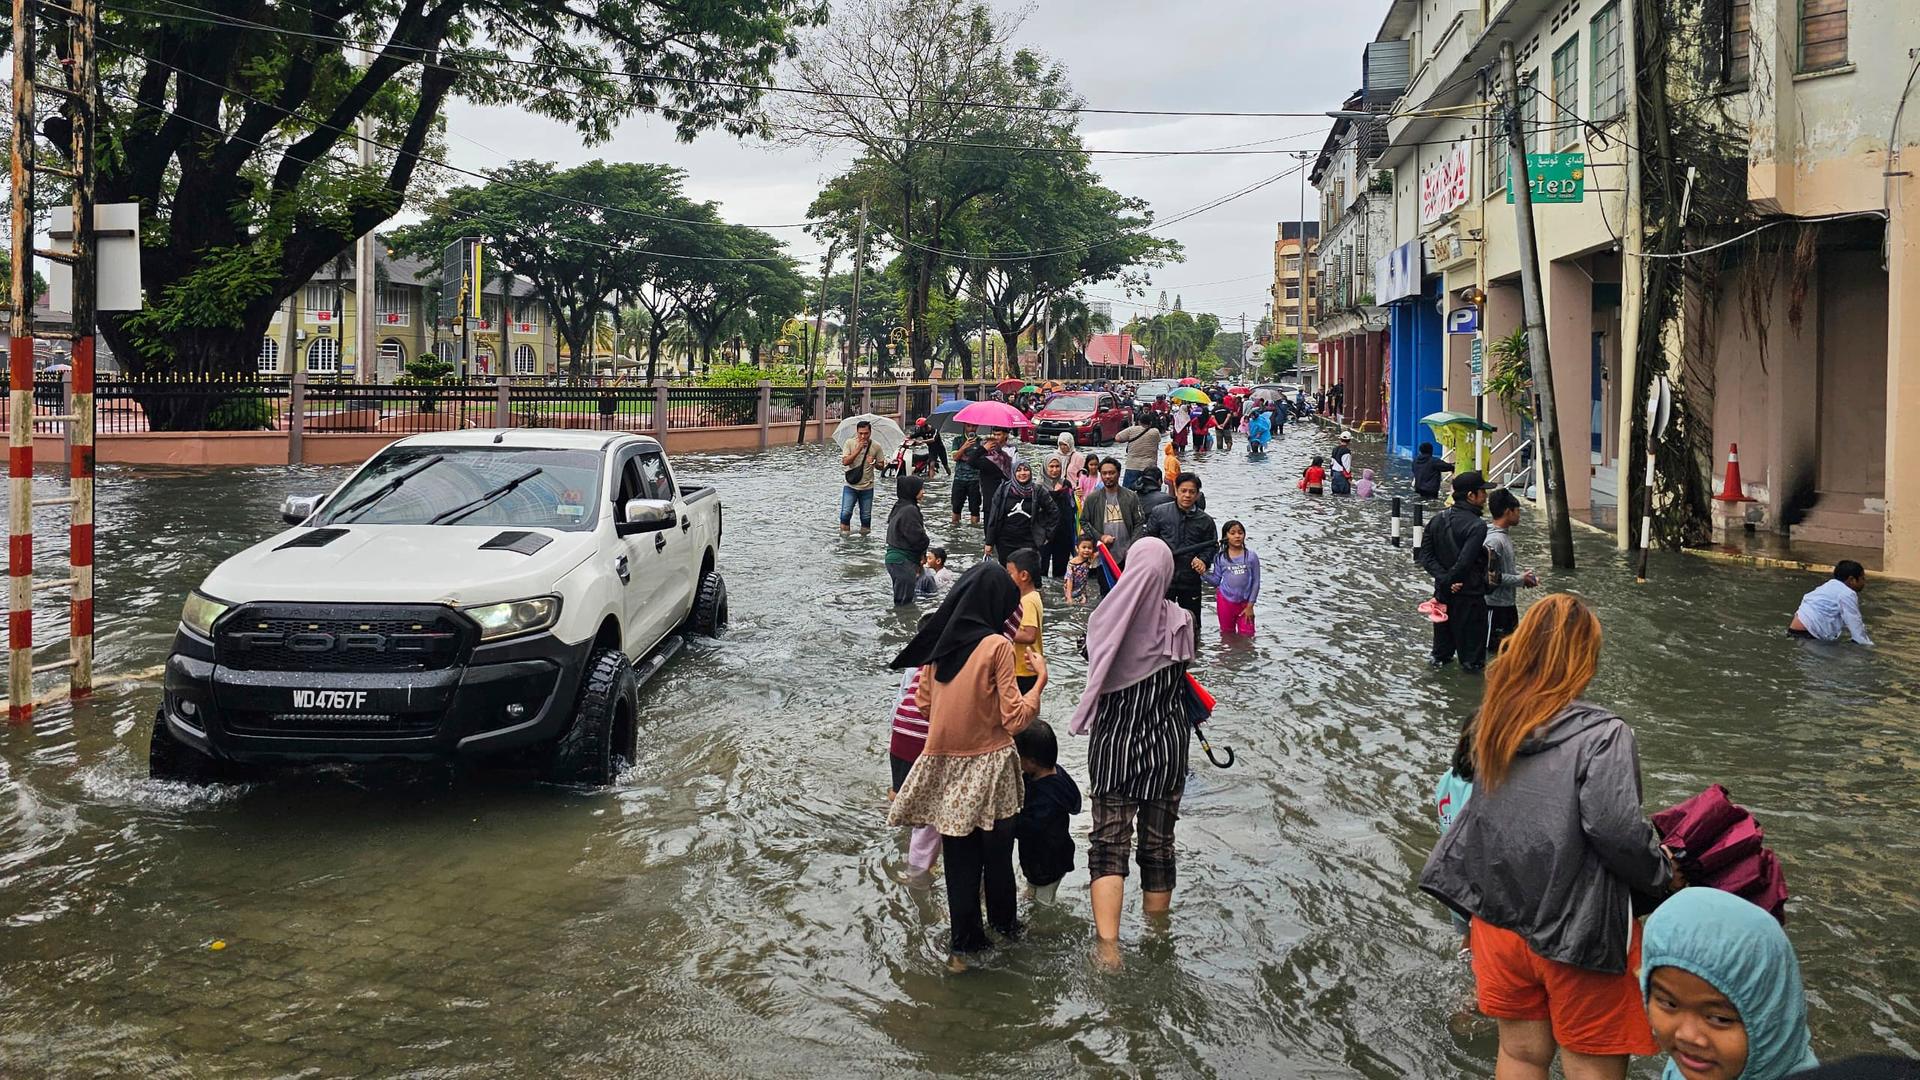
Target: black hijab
<point>976,607</point>
<point>908,488</point>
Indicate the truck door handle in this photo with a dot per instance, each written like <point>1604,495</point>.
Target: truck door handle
<point>686,522</point>
<point>659,542</point>
<point>620,567</point>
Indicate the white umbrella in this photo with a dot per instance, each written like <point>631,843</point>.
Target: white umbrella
<point>886,433</point>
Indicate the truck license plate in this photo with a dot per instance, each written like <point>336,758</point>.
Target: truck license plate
<point>330,700</point>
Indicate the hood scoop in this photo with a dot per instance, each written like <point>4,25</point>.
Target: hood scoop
<point>526,543</point>
<point>314,539</point>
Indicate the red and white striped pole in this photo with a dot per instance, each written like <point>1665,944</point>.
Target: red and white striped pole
<point>20,380</point>
<point>86,275</point>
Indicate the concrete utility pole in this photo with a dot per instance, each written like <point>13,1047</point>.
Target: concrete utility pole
<point>366,307</point>
<point>853,317</point>
<point>1553,479</point>
<point>1300,332</point>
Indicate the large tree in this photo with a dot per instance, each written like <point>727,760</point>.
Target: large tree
<point>719,295</point>
<point>947,94</point>
<point>579,236</point>
<point>235,129</point>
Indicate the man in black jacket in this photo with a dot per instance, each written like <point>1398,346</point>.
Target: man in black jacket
<point>1195,541</point>
<point>1454,554</point>
<point>1427,471</point>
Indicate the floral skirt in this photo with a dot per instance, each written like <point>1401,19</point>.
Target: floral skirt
<point>960,794</point>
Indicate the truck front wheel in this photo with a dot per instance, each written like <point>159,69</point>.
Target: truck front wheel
<point>709,617</point>
<point>603,735</point>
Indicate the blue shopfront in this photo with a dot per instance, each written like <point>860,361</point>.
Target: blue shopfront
<point>1416,367</point>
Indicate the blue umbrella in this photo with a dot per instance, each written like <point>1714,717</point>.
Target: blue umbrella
<point>954,406</point>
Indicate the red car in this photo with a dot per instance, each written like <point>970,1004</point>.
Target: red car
<point>1091,417</point>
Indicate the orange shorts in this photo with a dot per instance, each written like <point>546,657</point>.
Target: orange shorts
<point>1591,1013</point>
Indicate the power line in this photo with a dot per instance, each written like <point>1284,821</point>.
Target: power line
<point>844,95</point>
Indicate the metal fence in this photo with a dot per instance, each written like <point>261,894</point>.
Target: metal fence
<point>712,406</point>
<point>140,405</point>
<point>609,407</point>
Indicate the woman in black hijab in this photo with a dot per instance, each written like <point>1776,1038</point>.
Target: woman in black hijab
<point>906,539</point>
<point>967,782</point>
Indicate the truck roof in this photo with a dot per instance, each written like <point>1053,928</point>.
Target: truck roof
<point>545,438</point>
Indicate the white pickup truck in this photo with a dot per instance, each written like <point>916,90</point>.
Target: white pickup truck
<point>497,594</point>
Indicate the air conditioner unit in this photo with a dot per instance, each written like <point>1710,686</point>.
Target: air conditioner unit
<point>299,335</point>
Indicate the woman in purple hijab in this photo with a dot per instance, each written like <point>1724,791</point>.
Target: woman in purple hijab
<point>1134,709</point>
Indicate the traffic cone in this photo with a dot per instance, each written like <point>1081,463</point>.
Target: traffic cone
<point>1731,491</point>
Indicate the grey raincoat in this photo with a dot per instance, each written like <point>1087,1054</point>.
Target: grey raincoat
<point>1560,852</point>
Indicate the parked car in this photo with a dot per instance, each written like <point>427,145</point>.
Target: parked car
<point>465,594</point>
<point>1092,418</point>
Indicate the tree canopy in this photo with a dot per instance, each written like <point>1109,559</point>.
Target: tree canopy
<point>235,130</point>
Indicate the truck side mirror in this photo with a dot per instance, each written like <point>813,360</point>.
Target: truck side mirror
<point>298,508</point>
<point>645,516</point>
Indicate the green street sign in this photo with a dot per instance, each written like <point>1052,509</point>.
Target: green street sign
<point>1476,365</point>
<point>1553,178</point>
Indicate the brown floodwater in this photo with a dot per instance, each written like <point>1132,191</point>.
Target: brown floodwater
<point>729,907</point>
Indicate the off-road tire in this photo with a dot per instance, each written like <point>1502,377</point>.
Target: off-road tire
<point>709,615</point>
<point>170,759</point>
<point>603,733</point>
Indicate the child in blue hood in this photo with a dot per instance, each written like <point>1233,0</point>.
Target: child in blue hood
<point>1723,990</point>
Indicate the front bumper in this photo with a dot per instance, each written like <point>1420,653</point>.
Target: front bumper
<point>1084,432</point>
<point>506,695</point>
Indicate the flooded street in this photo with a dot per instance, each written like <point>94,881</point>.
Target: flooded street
<point>729,908</point>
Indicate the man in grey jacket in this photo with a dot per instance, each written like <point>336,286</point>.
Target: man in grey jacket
<point>1503,611</point>
<point>1110,515</point>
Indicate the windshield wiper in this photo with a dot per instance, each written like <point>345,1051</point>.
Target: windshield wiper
<point>387,488</point>
<point>465,508</point>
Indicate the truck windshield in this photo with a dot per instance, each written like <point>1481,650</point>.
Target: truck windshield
<point>1072,403</point>
<point>564,492</point>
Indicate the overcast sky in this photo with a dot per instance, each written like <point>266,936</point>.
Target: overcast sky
<point>1202,55</point>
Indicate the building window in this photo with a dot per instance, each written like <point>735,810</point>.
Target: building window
<point>269,362</point>
<point>393,355</point>
<point>1292,264</point>
<point>1293,318</point>
<point>1530,134</point>
<point>445,351</point>
<point>1566,94</point>
<point>1293,290</point>
<point>526,310</point>
<point>396,308</point>
<point>323,357</point>
<point>1823,34</point>
<point>1497,155</point>
<point>1739,37</point>
<point>1609,64</point>
<point>523,360</point>
<point>319,298</point>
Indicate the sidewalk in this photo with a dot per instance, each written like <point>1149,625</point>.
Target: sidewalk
<point>1770,549</point>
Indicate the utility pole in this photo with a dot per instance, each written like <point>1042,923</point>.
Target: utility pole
<point>20,378</point>
<point>1300,332</point>
<point>853,317</point>
<point>813,347</point>
<point>366,360</point>
<point>1553,480</point>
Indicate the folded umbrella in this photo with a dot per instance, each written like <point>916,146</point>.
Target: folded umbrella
<point>1719,845</point>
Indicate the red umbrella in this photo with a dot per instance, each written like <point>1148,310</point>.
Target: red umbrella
<point>1008,386</point>
<point>1189,382</point>
<point>992,414</point>
<point>1239,390</point>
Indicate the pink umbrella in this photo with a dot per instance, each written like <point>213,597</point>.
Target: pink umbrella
<point>992,414</point>
<point>1189,382</point>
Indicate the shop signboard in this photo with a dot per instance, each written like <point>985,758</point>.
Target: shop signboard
<point>1397,274</point>
<point>1554,178</point>
<point>1446,184</point>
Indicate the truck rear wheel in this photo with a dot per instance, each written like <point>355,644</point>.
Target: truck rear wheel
<point>709,617</point>
<point>170,759</point>
<point>603,735</point>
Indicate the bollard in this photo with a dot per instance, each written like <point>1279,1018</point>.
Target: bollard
<point>1419,527</point>
<point>1395,538</point>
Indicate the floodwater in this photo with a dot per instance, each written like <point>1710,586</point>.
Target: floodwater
<point>729,908</point>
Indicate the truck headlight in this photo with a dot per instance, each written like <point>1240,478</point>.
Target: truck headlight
<point>515,617</point>
<point>200,612</point>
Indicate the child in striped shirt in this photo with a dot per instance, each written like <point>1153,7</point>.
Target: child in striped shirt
<point>909,737</point>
